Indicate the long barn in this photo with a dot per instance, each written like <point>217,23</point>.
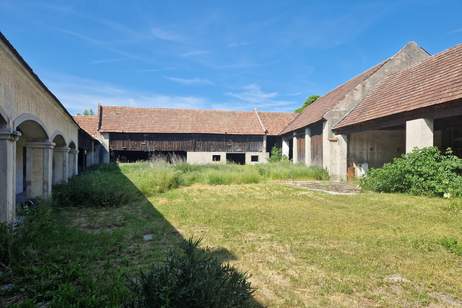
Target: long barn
<point>192,135</point>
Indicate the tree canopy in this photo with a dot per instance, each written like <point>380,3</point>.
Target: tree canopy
<point>311,99</point>
<point>87,112</point>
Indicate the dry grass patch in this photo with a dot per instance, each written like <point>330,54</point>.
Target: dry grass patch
<point>309,248</point>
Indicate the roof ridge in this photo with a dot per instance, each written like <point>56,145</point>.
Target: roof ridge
<point>260,121</point>
<point>183,109</point>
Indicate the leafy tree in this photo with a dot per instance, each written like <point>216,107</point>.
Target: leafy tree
<point>88,112</point>
<point>311,99</point>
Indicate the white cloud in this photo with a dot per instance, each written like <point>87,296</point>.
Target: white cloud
<point>166,35</point>
<point>456,31</point>
<point>190,81</point>
<point>237,44</point>
<point>104,61</point>
<point>253,96</point>
<point>194,53</point>
<point>78,94</point>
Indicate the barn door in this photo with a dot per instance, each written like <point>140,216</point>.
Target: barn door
<point>316,145</point>
<point>301,148</point>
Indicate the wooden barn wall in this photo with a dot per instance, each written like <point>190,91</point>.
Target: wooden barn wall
<point>185,142</point>
<point>316,144</point>
<point>300,146</point>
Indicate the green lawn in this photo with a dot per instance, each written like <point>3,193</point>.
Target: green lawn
<point>301,248</point>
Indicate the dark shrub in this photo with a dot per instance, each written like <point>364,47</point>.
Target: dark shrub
<point>105,186</point>
<point>191,277</point>
<point>422,172</point>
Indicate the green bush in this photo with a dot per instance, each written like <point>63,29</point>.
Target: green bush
<point>276,154</point>
<point>191,277</point>
<point>422,172</point>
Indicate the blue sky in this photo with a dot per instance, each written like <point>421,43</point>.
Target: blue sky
<point>268,55</point>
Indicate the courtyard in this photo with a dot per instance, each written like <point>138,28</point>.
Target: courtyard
<point>300,247</point>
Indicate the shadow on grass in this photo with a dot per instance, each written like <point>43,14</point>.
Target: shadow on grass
<point>83,252</point>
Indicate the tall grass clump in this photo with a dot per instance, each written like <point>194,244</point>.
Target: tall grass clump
<point>285,170</point>
<point>46,262</point>
<point>104,186</point>
<point>152,177</point>
<point>426,172</point>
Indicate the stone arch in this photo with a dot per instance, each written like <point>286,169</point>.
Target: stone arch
<point>60,158</point>
<point>58,139</point>
<point>33,157</point>
<point>32,126</point>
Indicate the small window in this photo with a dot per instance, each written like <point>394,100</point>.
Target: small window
<point>254,158</point>
<point>216,157</point>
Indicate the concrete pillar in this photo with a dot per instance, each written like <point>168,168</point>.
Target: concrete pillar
<point>105,143</point>
<point>264,144</point>
<point>295,149</point>
<point>419,134</point>
<point>39,169</point>
<point>59,165</point>
<point>285,147</point>
<point>339,164</point>
<point>73,162</point>
<point>307,146</point>
<point>8,175</point>
<point>66,165</point>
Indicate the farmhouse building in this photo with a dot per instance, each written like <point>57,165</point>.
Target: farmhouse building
<point>417,107</point>
<point>195,136</point>
<point>38,137</point>
<point>411,100</point>
<point>313,140</point>
<point>91,151</point>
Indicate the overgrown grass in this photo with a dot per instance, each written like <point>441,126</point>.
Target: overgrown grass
<point>301,248</point>
<point>100,187</point>
<point>156,177</point>
<point>48,262</point>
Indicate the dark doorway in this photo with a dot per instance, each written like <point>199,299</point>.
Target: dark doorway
<point>235,158</point>
<point>134,156</point>
<point>82,159</point>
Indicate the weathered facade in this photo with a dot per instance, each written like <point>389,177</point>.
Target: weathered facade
<point>417,107</point>
<point>327,148</point>
<point>195,136</point>
<point>38,137</point>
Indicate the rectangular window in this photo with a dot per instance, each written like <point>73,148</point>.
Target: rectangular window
<point>254,158</point>
<point>216,157</point>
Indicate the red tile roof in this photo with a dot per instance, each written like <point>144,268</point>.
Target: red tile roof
<point>89,124</point>
<point>275,122</point>
<point>316,111</point>
<point>434,81</point>
<point>164,120</point>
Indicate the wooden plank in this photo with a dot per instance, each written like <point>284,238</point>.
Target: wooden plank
<point>316,145</point>
<point>185,142</point>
